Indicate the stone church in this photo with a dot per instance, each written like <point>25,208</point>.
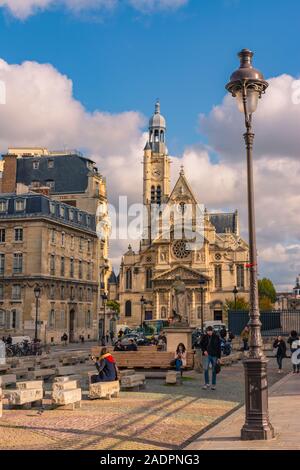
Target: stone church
<point>204,250</point>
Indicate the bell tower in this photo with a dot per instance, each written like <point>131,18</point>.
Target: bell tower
<point>156,161</point>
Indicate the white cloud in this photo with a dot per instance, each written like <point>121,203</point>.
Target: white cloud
<point>22,9</point>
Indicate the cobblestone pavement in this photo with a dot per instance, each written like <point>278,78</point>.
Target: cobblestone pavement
<point>159,417</point>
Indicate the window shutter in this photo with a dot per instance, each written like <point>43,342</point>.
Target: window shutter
<point>17,319</point>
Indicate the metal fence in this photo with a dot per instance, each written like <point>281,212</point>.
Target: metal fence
<point>274,323</point>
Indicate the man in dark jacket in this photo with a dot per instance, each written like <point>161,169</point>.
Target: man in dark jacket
<point>106,367</point>
<point>131,346</point>
<point>211,350</point>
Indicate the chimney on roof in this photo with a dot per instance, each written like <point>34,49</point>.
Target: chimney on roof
<point>9,177</point>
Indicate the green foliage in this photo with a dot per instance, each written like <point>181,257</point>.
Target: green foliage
<point>265,304</point>
<point>241,304</point>
<point>267,290</point>
<point>113,305</point>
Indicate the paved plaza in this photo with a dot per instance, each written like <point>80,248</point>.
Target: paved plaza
<point>158,417</point>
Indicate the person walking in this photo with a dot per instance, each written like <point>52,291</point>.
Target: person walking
<point>211,350</point>
<point>294,343</point>
<point>280,346</point>
<point>180,358</point>
<point>245,338</point>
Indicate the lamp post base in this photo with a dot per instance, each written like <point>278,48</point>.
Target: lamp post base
<point>257,425</point>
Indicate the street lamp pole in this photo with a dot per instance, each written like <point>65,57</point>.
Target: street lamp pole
<point>37,293</point>
<point>142,300</point>
<point>248,85</point>
<point>104,299</point>
<point>202,283</point>
<point>235,293</point>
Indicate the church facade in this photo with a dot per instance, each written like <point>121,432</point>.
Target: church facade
<point>181,240</point>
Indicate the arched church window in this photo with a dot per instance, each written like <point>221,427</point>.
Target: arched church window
<point>156,135</point>
<point>153,194</point>
<point>158,195</point>
<point>162,136</point>
<point>128,308</point>
<point>128,279</point>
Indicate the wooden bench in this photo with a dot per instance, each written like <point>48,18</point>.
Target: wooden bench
<point>145,359</point>
<point>104,390</point>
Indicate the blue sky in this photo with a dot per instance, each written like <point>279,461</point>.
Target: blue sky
<point>124,60</point>
<point>119,60</point>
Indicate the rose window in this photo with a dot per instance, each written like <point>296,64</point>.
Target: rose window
<point>180,250</point>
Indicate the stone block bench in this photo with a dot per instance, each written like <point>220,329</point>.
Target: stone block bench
<point>44,374</point>
<point>25,394</point>
<point>20,373</point>
<point>171,377</point>
<point>66,394</point>
<point>133,380</point>
<point>104,390</point>
<point>7,379</point>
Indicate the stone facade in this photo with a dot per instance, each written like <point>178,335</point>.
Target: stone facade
<point>219,259</point>
<point>55,246</point>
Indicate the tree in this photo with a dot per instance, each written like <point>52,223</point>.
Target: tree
<point>241,304</point>
<point>267,290</point>
<point>265,304</point>
<point>113,305</point>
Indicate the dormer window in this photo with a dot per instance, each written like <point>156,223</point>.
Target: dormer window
<point>50,163</point>
<point>62,211</point>
<point>36,165</point>
<point>3,205</point>
<point>50,184</point>
<point>20,205</point>
<point>71,215</point>
<point>35,184</point>
<point>52,207</point>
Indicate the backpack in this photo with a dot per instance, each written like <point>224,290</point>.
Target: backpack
<point>295,344</point>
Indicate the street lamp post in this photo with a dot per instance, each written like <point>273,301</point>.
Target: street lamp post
<point>104,299</point>
<point>235,293</point>
<point>143,301</point>
<point>248,85</point>
<point>37,294</point>
<point>202,283</point>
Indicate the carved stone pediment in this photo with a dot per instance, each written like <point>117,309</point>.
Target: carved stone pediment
<point>185,273</point>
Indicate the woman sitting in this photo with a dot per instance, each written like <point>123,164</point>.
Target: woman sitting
<point>180,358</point>
<point>106,367</point>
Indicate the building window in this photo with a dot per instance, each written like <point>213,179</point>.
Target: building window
<point>62,266</point>
<point>1,291</point>
<point>152,194</point>
<point>149,278</point>
<point>3,206</point>
<point>72,293</point>
<point>2,263</point>
<point>62,238</point>
<point>52,291</point>
<point>50,184</point>
<point>52,318</point>
<point>80,294</point>
<point>88,319</point>
<point>88,220</point>
<point>52,208</point>
<point>62,293</point>
<point>2,235</point>
<point>53,234</point>
<point>14,319</point>
<point>20,205</point>
<point>16,292</point>
<point>80,269</point>
<point>71,267</point>
<point>89,246</point>
<point>35,184</point>
<point>79,217</point>
<point>128,279</point>
<point>80,243</point>
<point>199,313</point>
<point>163,312</point>
<point>62,319</point>
<point>2,319</point>
<point>89,271</point>
<point>158,195</point>
<point>128,308</point>
<point>18,263</point>
<point>36,165</point>
<point>240,276</point>
<point>71,215</point>
<point>50,163</point>
<point>18,234</point>
<point>62,211</point>
<point>89,295</point>
<point>52,265</point>
<point>218,276</point>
